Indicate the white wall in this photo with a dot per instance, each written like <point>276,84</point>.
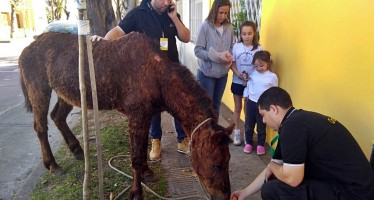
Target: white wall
<point>186,50</point>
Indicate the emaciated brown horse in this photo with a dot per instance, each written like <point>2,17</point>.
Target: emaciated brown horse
<point>135,78</point>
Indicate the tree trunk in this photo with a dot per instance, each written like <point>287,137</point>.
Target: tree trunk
<point>101,16</point>
<point>122,7</point>
<point>12,21</point>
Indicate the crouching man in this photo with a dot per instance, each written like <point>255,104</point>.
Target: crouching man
<point>316,156</point>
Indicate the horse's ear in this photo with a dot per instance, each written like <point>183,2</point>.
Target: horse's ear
<point>220,137</point>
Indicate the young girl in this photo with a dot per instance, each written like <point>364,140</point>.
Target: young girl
<point>242,56</point>
<point>260,80</point>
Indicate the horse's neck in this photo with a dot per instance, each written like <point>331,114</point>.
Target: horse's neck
<point>190,115</point>
<point>188,103</point>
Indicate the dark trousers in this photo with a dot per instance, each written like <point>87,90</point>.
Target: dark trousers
<point>253,117</point>
<point>156,131</point>
<point>308,190</point>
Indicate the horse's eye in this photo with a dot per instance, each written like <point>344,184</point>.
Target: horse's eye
<point>217,167</point>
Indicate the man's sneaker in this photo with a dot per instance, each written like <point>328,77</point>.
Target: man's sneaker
<point>237,140</point>
<point>248,148</point>
<point>184,146</point>
<point>155,153</point>
<point>260,150</point>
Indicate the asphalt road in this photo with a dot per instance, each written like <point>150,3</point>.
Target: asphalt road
<point>20,154</point>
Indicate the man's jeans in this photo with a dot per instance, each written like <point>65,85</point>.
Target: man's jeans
<point>156,131</point>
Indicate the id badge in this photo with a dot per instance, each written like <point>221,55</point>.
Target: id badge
<point>164,44</point>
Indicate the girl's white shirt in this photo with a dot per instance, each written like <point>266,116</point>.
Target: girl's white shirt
<point>258,83</point>
<point>243,56</point>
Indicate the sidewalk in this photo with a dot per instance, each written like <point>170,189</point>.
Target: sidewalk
<point>243,167</point>
<point>9,51</point>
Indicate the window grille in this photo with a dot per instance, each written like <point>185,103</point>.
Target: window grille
<point>196,18</point>
<point>242,10</point>
<point>179,4</point>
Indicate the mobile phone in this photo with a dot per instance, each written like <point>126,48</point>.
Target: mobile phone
<point>170,9</point>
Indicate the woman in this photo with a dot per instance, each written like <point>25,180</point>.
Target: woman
<point>213,46</point>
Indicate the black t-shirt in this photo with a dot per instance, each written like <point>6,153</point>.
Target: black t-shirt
<point>328,150</point>
<point>144,19</point>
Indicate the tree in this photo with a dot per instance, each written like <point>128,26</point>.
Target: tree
<point>101,16</point>
<point>13,5</point>
<point>122,7</point>
<point>54,9</point>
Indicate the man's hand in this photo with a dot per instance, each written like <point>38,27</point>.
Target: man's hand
<point>173,13</point>
<point>96,38</point>
<point>238,195</point>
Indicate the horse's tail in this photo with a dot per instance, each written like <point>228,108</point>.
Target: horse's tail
<point>25,94</point>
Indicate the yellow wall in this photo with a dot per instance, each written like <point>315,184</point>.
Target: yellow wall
<point>324,57</point>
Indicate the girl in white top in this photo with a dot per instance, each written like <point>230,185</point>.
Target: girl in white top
<point>260,80</point>
<point>243,52</point>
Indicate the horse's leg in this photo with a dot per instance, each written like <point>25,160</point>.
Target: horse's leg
<point>139,131</point>
<point>40,100</point>
<point>59,115</point>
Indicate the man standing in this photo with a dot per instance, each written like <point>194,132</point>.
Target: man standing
<point>316,156</point>
<point>159,20</point>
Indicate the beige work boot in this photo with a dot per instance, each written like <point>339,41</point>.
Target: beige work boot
<point>184,146</point>
<point>155,153</point>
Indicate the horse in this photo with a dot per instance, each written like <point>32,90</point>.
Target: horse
<point>136,78</point>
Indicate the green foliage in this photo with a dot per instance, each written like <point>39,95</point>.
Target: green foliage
<point>15,3</point>
<point>54,9</point>
<point>239,18</point>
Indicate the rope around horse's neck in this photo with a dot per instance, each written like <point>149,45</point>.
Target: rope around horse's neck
<point>197,127</point>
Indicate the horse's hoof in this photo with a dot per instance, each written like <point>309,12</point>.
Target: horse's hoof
<point>78,153</point>
<point>56,170</point>
<point>79,156</point>
<point>148,177</point>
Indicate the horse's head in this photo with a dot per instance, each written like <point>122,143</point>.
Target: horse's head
<point>210,158</point>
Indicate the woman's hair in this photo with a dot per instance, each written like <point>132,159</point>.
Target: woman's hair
<point>264,56</point>
<point>255,38</point>
<point>214,10</point>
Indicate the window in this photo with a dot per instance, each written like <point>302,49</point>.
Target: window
<point>179,4</point>
<point>246,10</point>
<point>196,18</point>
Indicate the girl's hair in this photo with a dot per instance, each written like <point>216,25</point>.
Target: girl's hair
<point>255,38</point>
<point>214,10</point>
<point>264,56</point>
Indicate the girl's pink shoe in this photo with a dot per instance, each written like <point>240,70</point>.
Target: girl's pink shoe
<point>248,148</point>
<point>260,150</point>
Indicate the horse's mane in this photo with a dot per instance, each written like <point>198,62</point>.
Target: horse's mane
<point>184,74</point>
<point>204,103</point>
